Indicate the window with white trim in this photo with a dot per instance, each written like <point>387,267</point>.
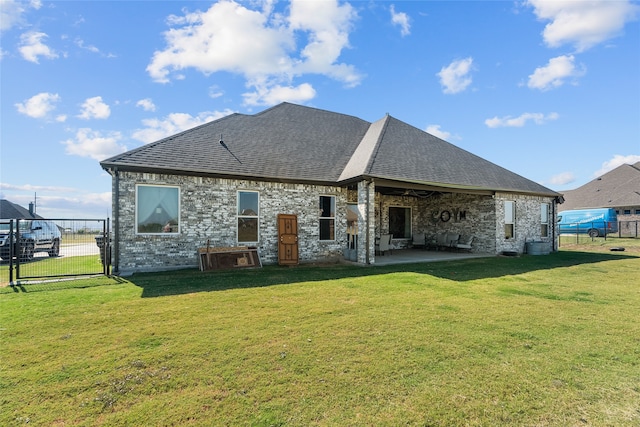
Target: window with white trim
<point>248,216</point>
<point>544,219</point>
<point>327,213</point>
<point>509,219</point>
<point>157,209</point>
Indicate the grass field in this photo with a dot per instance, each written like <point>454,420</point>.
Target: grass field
<point>508,341</point>
<point>44,267</point>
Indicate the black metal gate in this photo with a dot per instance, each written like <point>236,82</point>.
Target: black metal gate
<point>46,248</point>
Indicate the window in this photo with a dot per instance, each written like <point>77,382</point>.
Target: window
<point>637,211</point>
<point>627,211</point>
<point>400,222</point>
<point>509,219</point>
<point>248,202</point>
<point>157,209</point>
<point>327,217</point>
<point>544,220</point>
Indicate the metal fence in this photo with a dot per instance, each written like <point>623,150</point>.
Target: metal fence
<point>41,249</point>
<point>580,233</point>
<point>628,229</point>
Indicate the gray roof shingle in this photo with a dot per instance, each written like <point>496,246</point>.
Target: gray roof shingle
<point>296,143</point>
<point>619,187</point>
<point>10,210</point>
<point>286,142</point>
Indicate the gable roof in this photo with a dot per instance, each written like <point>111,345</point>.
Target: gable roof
<point>619,187</point>
<point>295,143</point>
<point>9,210</point>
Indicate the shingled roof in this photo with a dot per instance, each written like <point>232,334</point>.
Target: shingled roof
<point>617,188</point>
<point>295,143</point>
<point>10,210</point>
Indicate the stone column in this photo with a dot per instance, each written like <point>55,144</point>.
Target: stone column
<point>366,222</point>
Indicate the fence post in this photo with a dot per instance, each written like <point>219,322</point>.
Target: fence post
<point>11,249</point>
<point>18,249</point>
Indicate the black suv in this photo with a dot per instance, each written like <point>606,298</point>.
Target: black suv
<point>36,235</point>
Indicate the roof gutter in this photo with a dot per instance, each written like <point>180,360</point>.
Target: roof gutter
<point>221,175</point>
<point>460,188</point>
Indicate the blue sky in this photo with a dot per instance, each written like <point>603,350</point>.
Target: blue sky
<point>547,89</point>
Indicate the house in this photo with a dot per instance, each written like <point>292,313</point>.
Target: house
<point>618,189</point>
<point>9,210</point>
<point>301,183</point>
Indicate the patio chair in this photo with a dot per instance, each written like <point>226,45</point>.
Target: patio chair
<point>383,244</point>
<point>464,243</point>
<point>419,240</point>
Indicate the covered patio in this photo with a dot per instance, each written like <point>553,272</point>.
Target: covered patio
<point>410,256</point>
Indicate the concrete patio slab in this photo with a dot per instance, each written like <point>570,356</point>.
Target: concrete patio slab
<point>408,256</point>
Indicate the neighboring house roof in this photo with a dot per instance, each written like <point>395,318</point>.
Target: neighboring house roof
<point>617,188</point>
<point>295,143</point>
<point>9,210</point>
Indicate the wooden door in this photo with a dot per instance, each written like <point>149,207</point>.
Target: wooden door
<point>287,239</point>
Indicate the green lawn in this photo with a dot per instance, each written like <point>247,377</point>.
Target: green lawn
<point>524,341</point>
<point>45,268</point>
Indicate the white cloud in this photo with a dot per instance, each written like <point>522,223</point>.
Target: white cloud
<point>508,121</point>
<point>157,129</point>
<point>259,44</point>
<point>583,24</point>
<point>616,161</point>
<point>215,92</point>
<point>400,19</point>
<point>32,47</point>
<point>326,25</point>
<point>146,104</point>
<point>32,188</point>
<point>90,143</point>
<point>91,48</point>
<point>94,108</point>
<point>77,205</point>
<point>455,77</point>
<point>274,94</point>
<point>38,106</point>
<point>59,202</point>
<point>555,73</point>
<point>12,11</point>
<point>563,178</point>
<point>436,131</point>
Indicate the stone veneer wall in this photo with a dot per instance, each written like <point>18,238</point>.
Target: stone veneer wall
<point>528,222</point>
<point>469,214</point>
<point>481,216</point>
<point>208,212</point>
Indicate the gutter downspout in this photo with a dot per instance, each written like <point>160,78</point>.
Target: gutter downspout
<point>556,235</point>
<point>116,222</point>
